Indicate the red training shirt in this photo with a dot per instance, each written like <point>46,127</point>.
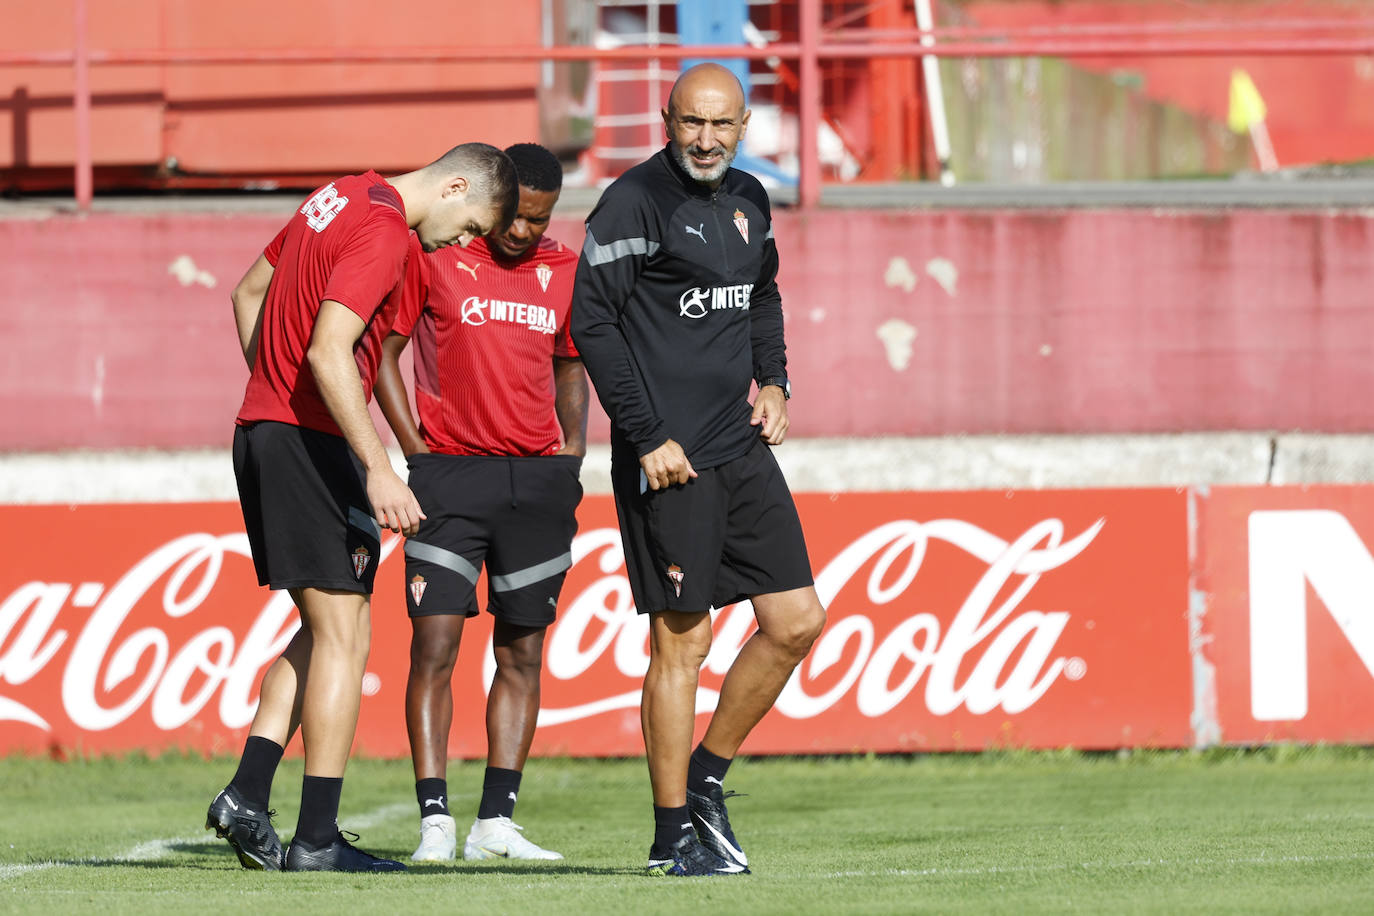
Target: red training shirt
<point>348,242</point>
<point>485,332</point>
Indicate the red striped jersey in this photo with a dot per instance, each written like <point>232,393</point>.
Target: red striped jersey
<point>348,242</point>
<point>485,332</point>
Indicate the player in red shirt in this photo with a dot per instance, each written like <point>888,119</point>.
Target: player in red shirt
<point>315,483</point>
<point>502,400</point>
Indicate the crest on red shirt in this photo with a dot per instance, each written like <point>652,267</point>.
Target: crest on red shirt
<point>417,587</point>
<point>545,273</point>
<point>742,224</point>
<point>360,558</point>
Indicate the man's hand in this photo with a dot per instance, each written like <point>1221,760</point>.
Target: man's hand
<point>393,505</point>
<point>770,414</point>
<point>667,465</point>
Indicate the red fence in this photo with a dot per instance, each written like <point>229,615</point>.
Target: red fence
<point>495,38</point>
<point>957,621</point>
<point>897,323</point>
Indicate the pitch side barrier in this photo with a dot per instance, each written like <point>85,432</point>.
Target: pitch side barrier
<point>958,620</point>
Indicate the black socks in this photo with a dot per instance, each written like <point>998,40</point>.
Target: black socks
<point>432,794</point>
<point>319,820</point>
<point>257,766</point>
<point>499,789</point>
<point>670,825</point>
<point>704,770</point>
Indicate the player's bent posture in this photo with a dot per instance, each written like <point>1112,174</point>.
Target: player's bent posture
<point>675,311</point>
<point>314,481</point>
<point>502,399</point>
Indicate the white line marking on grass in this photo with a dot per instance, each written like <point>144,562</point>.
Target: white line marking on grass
<point>150,850</point>
<point>378,816</point>
<point>143,852</point>
<point>1068,866</point>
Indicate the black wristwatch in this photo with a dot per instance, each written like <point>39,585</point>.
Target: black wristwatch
<point>781,381</point>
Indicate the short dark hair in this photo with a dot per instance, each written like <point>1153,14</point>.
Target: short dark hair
<point>536,167</point>
<point>490,174</point>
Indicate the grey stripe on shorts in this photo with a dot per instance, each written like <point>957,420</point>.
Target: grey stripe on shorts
<point>441,557</point>
<point>364,522</point>
<point>531,574</point>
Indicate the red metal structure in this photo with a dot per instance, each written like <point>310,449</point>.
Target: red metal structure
<point>888,37</point>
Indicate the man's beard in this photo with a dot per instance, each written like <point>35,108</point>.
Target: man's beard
<point>706,176</point>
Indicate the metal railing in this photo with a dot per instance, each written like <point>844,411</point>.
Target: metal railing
<point>816,42</point>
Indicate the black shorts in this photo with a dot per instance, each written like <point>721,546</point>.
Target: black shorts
<point>516,515</point>
<point>729,534</point>
<point>305,508</point>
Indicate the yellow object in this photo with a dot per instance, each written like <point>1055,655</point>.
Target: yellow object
<point>1247,108</point>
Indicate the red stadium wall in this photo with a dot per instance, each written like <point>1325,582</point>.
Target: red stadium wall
<point>957,621</point>
<point>914,323</point>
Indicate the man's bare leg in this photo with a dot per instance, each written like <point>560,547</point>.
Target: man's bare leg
<point>678,644</point>
<point>513,706</point>
<point>789,622</point>
<point>340,630</point>
<point>283,687</point>
<point>316,684</point>
<point>434,642</point>
<point>275,722</point>
<point>341,633</point>
<point>434,645</point>
<point>512,714</point>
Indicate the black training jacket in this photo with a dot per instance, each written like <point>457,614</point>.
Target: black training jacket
<point>676,309</point>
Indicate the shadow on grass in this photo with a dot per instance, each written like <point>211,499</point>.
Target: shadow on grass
<point>497,870</point>
<point>148,864</point>
<point>212,855</point>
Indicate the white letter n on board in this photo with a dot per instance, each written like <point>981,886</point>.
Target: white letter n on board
<point>1289,549</point>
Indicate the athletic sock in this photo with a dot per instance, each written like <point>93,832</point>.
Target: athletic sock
<point>432,794</point>
<point>499,789</point>
<point>318,824</point>
<point>257,766</point>
<point>705,769</point>
<point>670,825</point>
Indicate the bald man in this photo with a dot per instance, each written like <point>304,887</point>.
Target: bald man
<point>675,312</point>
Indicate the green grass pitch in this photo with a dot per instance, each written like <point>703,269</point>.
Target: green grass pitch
<point>1275,830</point>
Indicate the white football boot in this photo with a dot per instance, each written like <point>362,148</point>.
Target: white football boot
<point>499,837</point>
<point>438,839</point>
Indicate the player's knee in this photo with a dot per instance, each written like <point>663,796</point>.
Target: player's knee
<point>434,654</point>
<point>684,651</point>
<point>799,631</point>
<point>812,623</point>
<point>523,669</point>
<point>349,643</point>
<point>529,658</point>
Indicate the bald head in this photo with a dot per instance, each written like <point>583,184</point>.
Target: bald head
<point>705,120</point>
<point>707,81</point>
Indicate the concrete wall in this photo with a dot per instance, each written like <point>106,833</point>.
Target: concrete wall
<point>900,323</point>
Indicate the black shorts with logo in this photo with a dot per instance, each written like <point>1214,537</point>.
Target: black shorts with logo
<point>730,533</point>
<point>305,508</point>
<point>515,514</point>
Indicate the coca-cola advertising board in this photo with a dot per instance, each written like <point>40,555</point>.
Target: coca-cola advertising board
<point>957,621</point>
<point>1287,648</point>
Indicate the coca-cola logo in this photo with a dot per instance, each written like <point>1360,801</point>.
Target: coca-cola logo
<point>147,643</point>
<point>142,666</point>
<point>601,620</point>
